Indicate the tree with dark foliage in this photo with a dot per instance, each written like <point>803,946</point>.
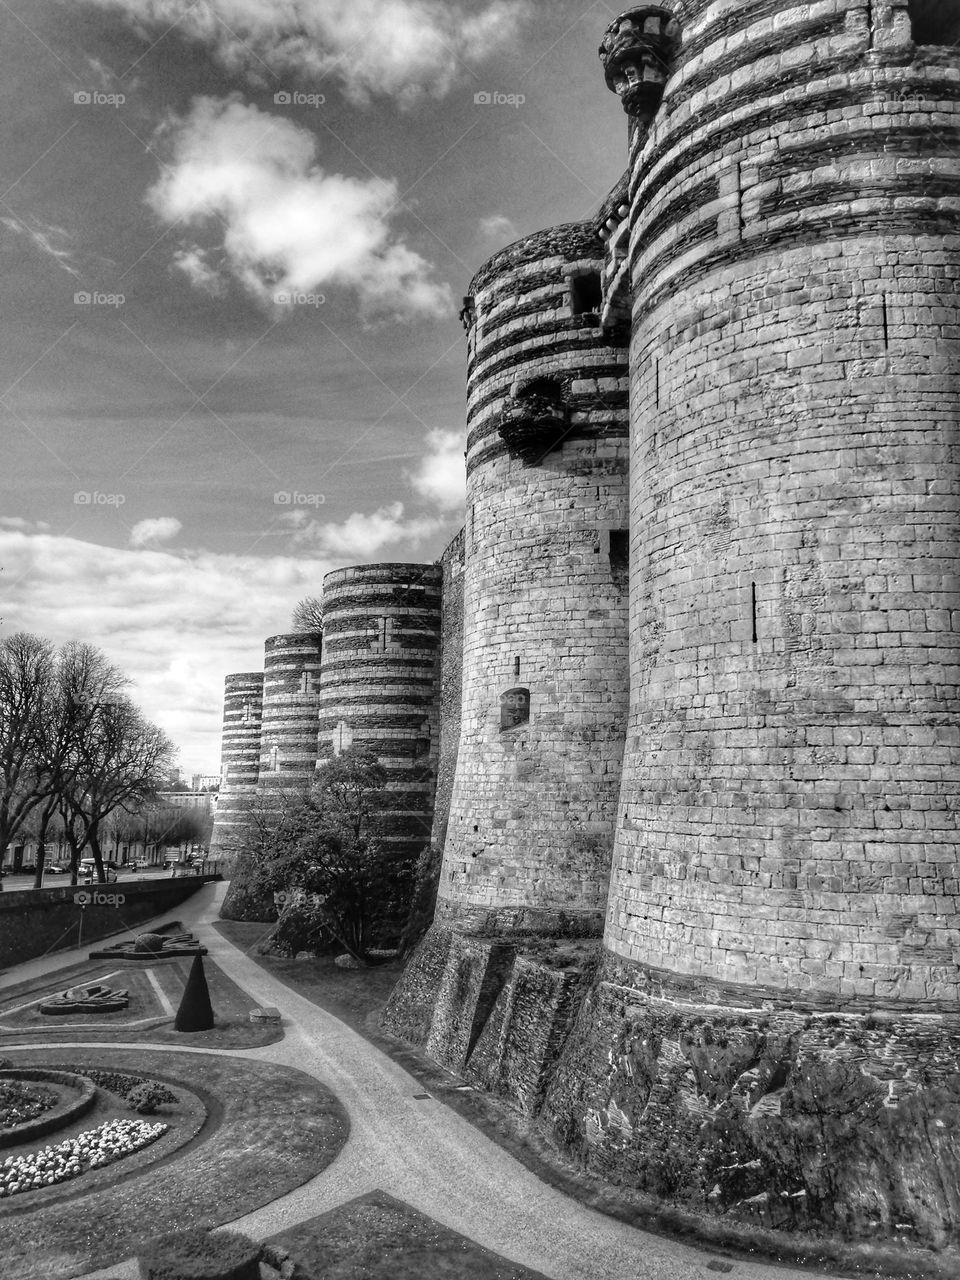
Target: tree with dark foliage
<point>334,879</point>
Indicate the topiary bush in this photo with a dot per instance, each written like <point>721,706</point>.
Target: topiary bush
<point>150,942</point>
<point>198,1255</point>
<point>147,1097</point>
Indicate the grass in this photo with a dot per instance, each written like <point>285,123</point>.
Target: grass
<point>233,1029</point>
<point>376,1237</point>
<point>267,1130</point>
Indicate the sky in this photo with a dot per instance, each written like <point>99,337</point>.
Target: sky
<point>234,239</point>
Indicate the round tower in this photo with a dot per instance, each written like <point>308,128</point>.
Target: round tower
<point>288,739</point>
<point>379,685</point>
<point>777,1008</point>
<point>240,756</point>
<point>791,785</point>
<point>545,595</point>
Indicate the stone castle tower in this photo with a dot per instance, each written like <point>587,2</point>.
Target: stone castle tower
<point>379,685</point>
<point>545,577</point>
<point>769,1030</point>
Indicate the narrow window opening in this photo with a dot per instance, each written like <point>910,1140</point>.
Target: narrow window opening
<point>618,549</point>
<point>516,667</point>
<point>935,21</point>
<point>656,379</point>
<point>886,322</point>
<point>753,609</point>
<point>586,296</point>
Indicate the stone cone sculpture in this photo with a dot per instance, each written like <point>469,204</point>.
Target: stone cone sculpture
<point>195,1012</point>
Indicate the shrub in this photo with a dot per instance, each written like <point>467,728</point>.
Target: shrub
<point>197,1255</point>
<point>145,1098</point>
<point>120,1084</point>
<point>150,942</point>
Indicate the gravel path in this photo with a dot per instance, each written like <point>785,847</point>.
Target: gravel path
<point>425,1154</point>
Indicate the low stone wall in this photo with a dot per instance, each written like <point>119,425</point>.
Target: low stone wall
<point>35,921</point>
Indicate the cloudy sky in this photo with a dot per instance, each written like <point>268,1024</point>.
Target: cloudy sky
<point>234,236</point>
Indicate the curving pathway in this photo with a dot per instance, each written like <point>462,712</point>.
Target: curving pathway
<point>421,1152</point>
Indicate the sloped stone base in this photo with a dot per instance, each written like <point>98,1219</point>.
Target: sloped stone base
<point>757,1108</point>
<point>800,1119</point>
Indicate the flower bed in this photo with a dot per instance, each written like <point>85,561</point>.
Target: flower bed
<point>90,1150</point>
<point>122,1085</point>
<point>77,1095</point>
<point>19,1104</point>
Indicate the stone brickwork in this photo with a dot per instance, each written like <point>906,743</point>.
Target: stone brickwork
<point>451,682</point>
<point>545,627</point>
<point>379,686</point>
<point>240,756</point>
<point>288,738</point>
<point>790,795</point>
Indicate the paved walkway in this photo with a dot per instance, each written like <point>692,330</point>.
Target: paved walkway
<point>423,1153</point>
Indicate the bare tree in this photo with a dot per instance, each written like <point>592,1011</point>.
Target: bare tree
<point>121,761</point>
<point>26,680</point>
<point>308,616</point>
<point>86,684</point>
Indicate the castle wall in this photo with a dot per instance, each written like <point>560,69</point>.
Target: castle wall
<point>532,811</point>
<point>451,682</point>
<point>288,739</point>
<point>379,685</point>
<point>790,788</point>
<point>240,755</point>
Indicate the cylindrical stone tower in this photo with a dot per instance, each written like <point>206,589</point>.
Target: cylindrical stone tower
<point>545,595</point>
<point>791,781</point>
<point>787,846</point>
<point>379,686</point>
<point>288,738</point>
<point>240,756</point>
<point>533,808</point>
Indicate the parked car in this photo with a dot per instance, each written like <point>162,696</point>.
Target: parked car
<point>141,864</point>
<point>56,868</point>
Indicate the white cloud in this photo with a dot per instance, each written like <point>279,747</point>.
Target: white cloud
<point>499,227</point>
<point>360,535</point>
<point>194,264</point>
<point>176,622</point>
<point>441,476</point>
<point>398,48</point>
<point>288,226</point>
<point>148,533</point>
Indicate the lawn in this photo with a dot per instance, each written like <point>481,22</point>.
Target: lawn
<point>267,1130</point>
<point>376,1237</point>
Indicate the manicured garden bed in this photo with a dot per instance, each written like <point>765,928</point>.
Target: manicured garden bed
<point>265,1130</point>
<point>231,1005</point>
<point>19,1102</point>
